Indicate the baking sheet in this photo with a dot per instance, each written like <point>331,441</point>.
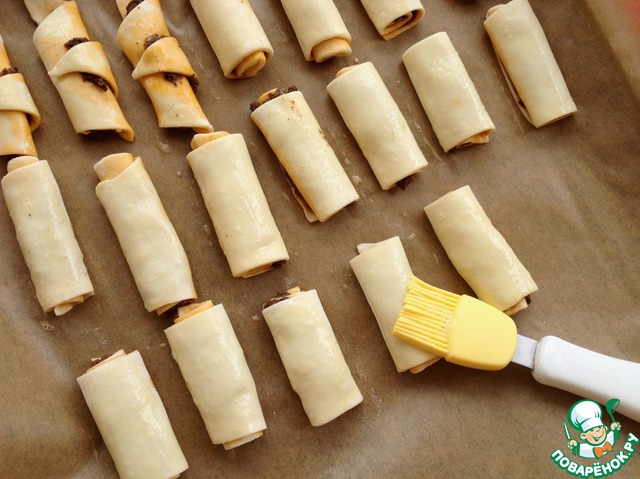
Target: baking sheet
<point>565,197</point>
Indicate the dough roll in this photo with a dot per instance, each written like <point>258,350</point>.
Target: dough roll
<point>79,69</point>
<point>131,418</point>
<point>322,187</point>
<point>479,252</point>
<point>241,217</point>
<point>160,65</point>
<point>377,124</point>
<point>319,28</point>
<point>213,365</point>
<point>447,93</point>
<point>392,17</point>
<point>45,235</point>
<point>39,9</point>
<point>527,61</point>
<point>311,356</point>
<point>383,271</point>
<point>19,115</point>
<point>149,242</point>
<point>236,36</point>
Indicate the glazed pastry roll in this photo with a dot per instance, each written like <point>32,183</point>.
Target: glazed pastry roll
<point>319,28</point>
<point>447,93</point>
<point>311,355</point>
<point>392,17</point>
<point>160,65</point>
<point>376,122</point>
<point>236,36</point>
<point>321,185</point>
<point>241,217</point>
<point>214,367</point>
<point>383,271</point>
<point>149,242</point>
<point>80,71</point>
<point>131,418</point>
<point>45,235</point>
<point>479,252</point>
<point>527,61</point>
<point>19,115</point>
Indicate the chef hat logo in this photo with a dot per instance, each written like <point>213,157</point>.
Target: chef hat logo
<point>585,415</point>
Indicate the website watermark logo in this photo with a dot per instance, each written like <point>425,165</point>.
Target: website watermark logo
<point>594,449</point>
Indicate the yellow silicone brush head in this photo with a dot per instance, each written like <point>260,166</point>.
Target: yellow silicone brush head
<point>462,329</point>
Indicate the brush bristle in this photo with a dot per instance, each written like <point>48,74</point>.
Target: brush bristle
<point>426,317</point>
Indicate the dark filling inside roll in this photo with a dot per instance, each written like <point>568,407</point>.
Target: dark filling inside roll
<point>280,296</point>
<point>171,77</point>
<point>9,71</point>
<point>75,41</point>
<point>96,361</point>
<point>133,4</point>
<point>174,78</point>
<point>272,94</point>
<point>96,80</point>
<point>151,39</point>
<point>173,311</point>
<point>88,77</point>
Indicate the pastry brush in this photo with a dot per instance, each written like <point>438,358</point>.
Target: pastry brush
<point>462,329</point>
<point>469,332</point>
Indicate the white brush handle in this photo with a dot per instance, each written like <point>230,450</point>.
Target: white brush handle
<point>591,375</point>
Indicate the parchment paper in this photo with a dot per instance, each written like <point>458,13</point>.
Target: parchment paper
<point>565,197</point>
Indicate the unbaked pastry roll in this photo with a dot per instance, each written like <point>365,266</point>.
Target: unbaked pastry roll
<point>45,235</point>
<point>527,61</point>
<point>160,65</point>
<point>149,242</point>
<point>241,217</point>
<point>311,355</point>
<point>320,183</point>
<point>479,252</point>
<point>213,365</point>
<point>319,28</point>
<point>383,271</point>
<point>39,9</point>
<point>377,124</point>
<point>80,71</point>
<point>131,418</point>
<point>19,115</point>
<point>236,36</point>
<point>447,93</point>
<point>392,17</point>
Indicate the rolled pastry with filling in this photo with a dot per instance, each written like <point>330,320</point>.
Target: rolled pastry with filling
<point>393,17</point>
<point>319,28</point>
<point>160,65</point>
<point>318,179</point>
<point>479,252</point>
<point>311,355</point>
<point>79,69</point>
<point>383,271</point>
<point>531,70</point>
<point>447,94</point>
<point>213,365</point>
<point>236,36</point>
<point>150,244</point>
<point>19,115</point>
<point>131,418</point>
<point>377,124</point>
<point>45,235</point>
<point>239,211</point>
<point>39,9</point>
